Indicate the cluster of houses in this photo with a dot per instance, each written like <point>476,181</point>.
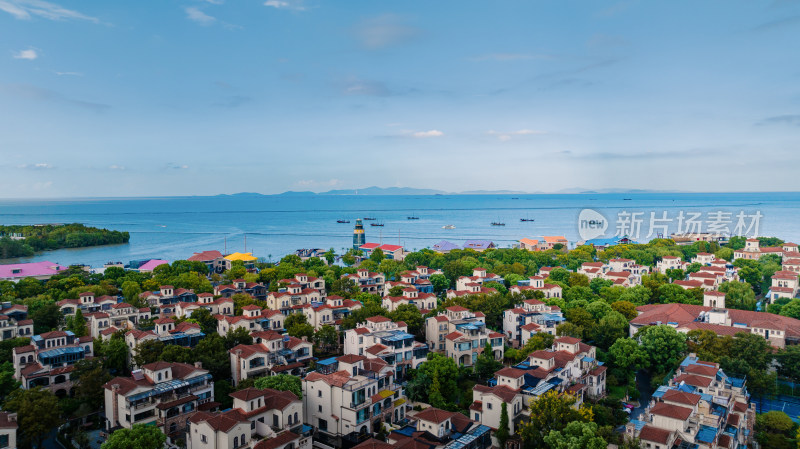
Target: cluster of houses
<point>350,398</point>
<point>700,407</point>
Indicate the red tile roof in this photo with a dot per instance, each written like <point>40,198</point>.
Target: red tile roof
<point>654,434</point>
<point>671,411</point>
<point>434,415</point>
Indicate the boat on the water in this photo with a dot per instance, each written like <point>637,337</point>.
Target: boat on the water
<point>369,218</point>
<point>411,217</point>
<point>497,223</point>
<point>376,224</point>
<point>342,221</point>
<point>448,227</point>
<point>527,219</point>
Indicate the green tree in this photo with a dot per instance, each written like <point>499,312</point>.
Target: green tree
<point>114,353</point>
<point>90,376</point>
<point>377,255</point>
<point>576,435</point>
<point>207,321</point>
<point>439,282</point>
<point>551,411</point>
<point>295,319</point>
<point>503,432</point>
<point>140,436</point>
<point>281,382</point>
<point>327,338</point>
<point>627,356</point>
<point>211,352</point>
<point>37,413</point>
<point>789,362</point>
<point>397,290</point>
<point>738,295</point>
<point>410,315</point>
<point>444,371</point>
<point>175,353</point>
<point>77,324</point>
<point>148,351</point>
<point>611,327</point>
<point>238,336</point>
<point>775,429</point>
<point>486,365</point>
<point>131,291</point>
<point>7,381</point>
<point>301,330</point>
<point>626,308</point>
<point>664,345</point>
<point>47,318</point>
<point>791,309</point>
<point>330,256</point>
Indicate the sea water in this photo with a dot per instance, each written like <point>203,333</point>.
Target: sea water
<point>173,228</point>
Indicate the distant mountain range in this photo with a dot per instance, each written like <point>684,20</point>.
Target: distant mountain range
<point>374,190</point>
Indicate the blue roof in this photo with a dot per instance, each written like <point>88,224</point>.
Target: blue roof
<point>607,241</point>
<point>660,391</point>
<point>327,362</point>
<point>482,244</point>
<point>706,434</point>
<point>444,245</point>
<point>407,431</point>
<point>60,351</point>
<point>638,424</point>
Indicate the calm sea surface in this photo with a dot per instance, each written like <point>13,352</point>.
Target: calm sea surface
<point>173,228</point>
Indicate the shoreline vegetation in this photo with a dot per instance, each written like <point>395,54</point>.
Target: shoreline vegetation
<point>27,240</point>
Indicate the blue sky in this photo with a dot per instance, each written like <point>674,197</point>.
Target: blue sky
<point>195,97</point>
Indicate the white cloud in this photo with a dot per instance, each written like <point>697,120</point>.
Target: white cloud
<point>69,73</point>
<point>39,166</point>
<point>503,57</point>
<point>198,16</point>
<point>426,134</point>
<point>384,31</point>
<point>27,9</point>
<point>29,54</point>
<point>505,136</point>
<point>296,5</point>
<point>116,167</point>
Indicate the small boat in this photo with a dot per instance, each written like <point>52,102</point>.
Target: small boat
<point>376,224</point>
<point>448,227</point>
<point>412,218</point>
<point>342,221</point>
<point>527,219</point>
<point>626,199</point>
<point>497,223</point>
<point>369,218</point>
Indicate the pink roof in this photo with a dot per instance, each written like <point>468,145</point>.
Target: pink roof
<point>369,246</point>
<point>390,248</point>
<point>150,265</point>
<point>20,270</point>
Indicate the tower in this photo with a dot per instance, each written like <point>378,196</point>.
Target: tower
<point>359,238</point>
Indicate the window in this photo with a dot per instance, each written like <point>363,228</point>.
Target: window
<point>203,439</point>
<point>323,425</point>
<point>489,405</point>
<point>242,438</point>
<point>477,417</point>
<point>235,441</point>
<point>252,425</point>
<point>320,408</point>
